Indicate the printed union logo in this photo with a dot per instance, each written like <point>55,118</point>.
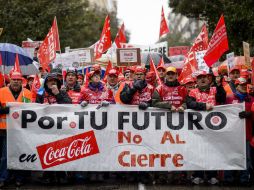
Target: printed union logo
<point>216,121</point>
<point>15,115</point>
<point>68,149</point>
<point>73,124</point>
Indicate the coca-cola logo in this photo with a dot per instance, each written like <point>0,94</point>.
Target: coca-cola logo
<point>68,149</point>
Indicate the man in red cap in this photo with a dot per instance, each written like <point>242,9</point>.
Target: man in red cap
<point>112,81</point>
<point>129,74</point>
<point>96,92</point>
<point>138,92</point>
<point>14,93</point>
<point>205,97</point>
<point>189,83</point>
<point>30,80</point>
<point>170,95</point>
<point>80,79</point>
<point>233,75</point>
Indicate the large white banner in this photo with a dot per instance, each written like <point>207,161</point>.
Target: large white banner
<point>124,138</point>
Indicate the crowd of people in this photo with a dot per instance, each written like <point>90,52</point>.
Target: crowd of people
<point>136,86</point>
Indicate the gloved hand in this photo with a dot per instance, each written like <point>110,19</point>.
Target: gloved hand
<point>4,110</point>
<point>83,104</point>
<point>104,103</point>
<point>143,106</point>
<point>245,114</point>
<point>139,84</point>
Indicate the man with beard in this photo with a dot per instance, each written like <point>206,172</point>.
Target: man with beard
<point>162,72</point>
<point>112,81</point>
<point>14,93</point>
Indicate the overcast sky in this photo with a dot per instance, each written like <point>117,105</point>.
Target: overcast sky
<point>142,19</point>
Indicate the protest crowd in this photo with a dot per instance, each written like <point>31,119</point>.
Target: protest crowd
<point>163,87</point>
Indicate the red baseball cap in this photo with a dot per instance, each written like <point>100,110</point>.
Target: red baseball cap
<point>199,73</point>
<point>140,69</point>
<point>161,67</point>
<point>113,72</point>
<point>234,68</point>
<point>16,75</point>
<point>187,80</point>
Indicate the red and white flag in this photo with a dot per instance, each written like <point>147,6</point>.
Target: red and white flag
<point>153,69</point>
<point>48,48</point>
<point>105,39</point>
<point>163,27</point>
<point>218,43</point>
<point>190,62</point>
<point>120,36</point>
<point>35,87</point>
<point>201,42</point>
<point>16,67</point>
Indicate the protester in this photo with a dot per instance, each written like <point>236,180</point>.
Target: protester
<point>240,96</point>
<point>53,95</point>
<point>205,97</point>
<point>80,79</point>
<point>162,72</point>
<point>14,93</point>
<point>138,92</point>
<point>72,86</point>
<point>30,80</point>
<point>112,81</point>
<point>170,95</point>
<point>233,75</point>
<point>96,92</point>
<point>189,83</point>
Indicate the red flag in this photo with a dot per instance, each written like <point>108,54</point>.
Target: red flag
<point>218,43</point>
<point>161,63</point>
<point>189,67</point>
<point>56,34</point>
<point>16,67</point>
<point>86,79</point>
<point>201,42</point>
<point>1,80</point>
<point>164,27</point>
<point>190,62</point>
<point>35,87</point>
<point>109,66</point>
<point>105,39</point>
<point>153,68</point>
<point>48,48</point>
<point>120,37</point>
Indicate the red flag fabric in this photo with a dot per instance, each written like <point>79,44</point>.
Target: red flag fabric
<point>16,67</point>
<point>190,62</point>
<point>86,79</point>
<point>163,27</point>
<point>35,87</point>
<point>1,80</point>
<point>48,48</point>
<point>189,67</point>
<point>109,66</point>
<point>105,39</point>
<point>161,63</point>
<point>201,42</point>
<point>153,69</point>
<point>218,43</point>
<point>120,36</point>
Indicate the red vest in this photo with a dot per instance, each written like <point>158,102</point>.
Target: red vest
<point>204,97</point>
<point>145,95</point>
<point>74,95</point>
<point>96,97</point>
<point>174,95</point>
